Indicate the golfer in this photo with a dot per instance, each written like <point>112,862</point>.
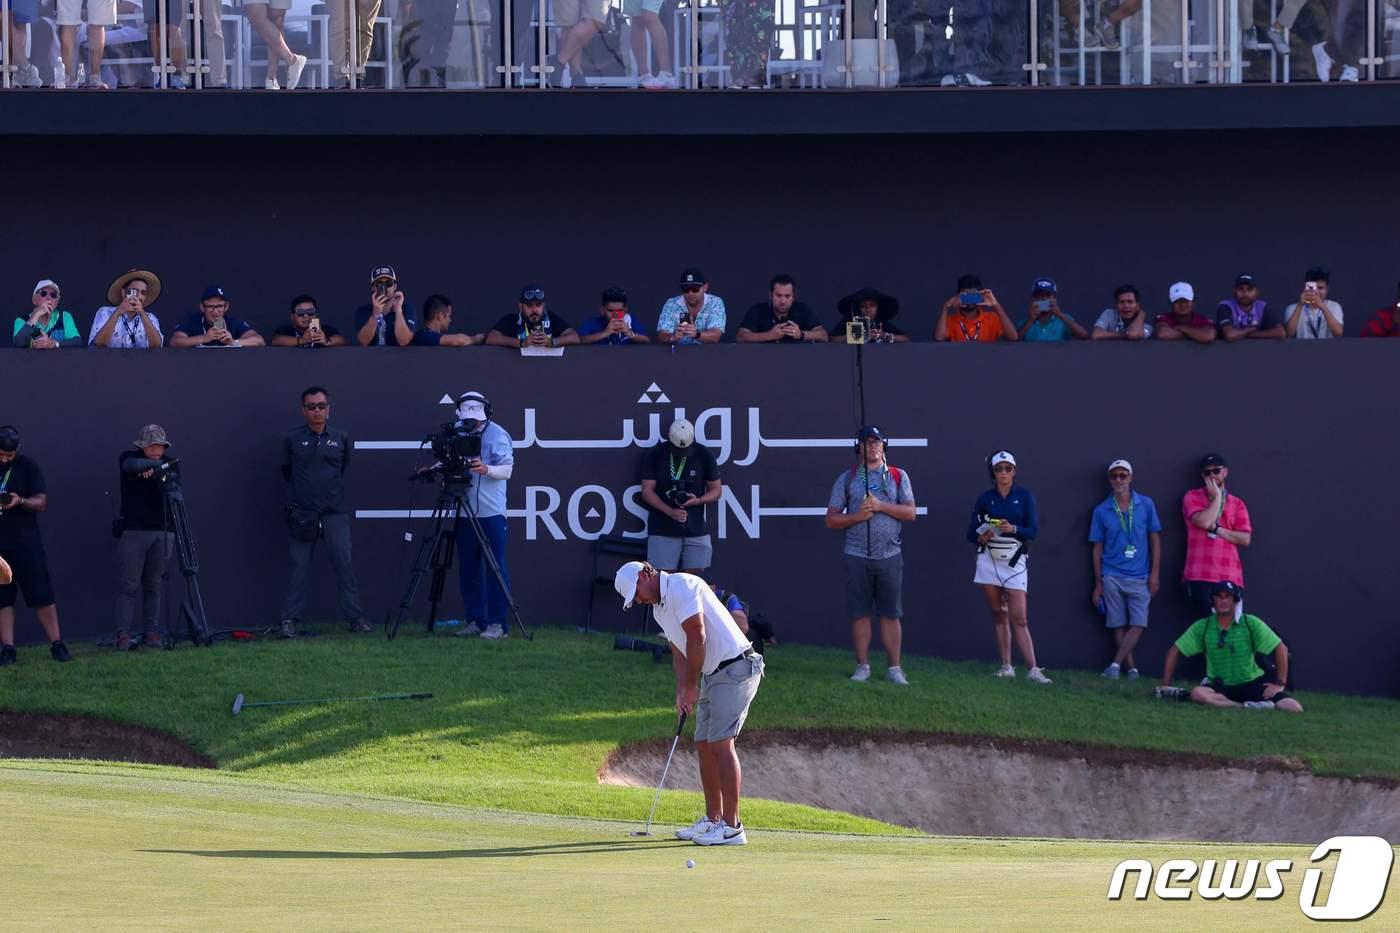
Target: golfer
<point>717,675</point>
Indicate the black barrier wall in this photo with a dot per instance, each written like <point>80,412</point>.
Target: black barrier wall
<point>1307,428</point>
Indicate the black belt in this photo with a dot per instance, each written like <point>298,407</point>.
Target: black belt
<point>748,653</point>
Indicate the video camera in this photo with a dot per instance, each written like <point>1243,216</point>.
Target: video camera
<point>162,471</point>
<point>454,448</point>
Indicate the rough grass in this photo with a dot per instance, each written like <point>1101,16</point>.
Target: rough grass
<point>524,726</point>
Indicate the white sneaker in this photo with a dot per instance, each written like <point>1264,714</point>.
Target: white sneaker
<point>1112,672</point>
<point>1259,704</point>
<point>1108,36</point>
<point>470,630</point>
<point>495,632</point>
<point>895,675</point>
<point>28,76</point>
<point>1323,61</point>
<point>1036,677</point>
<point>566,77</point>
<point>60,77</point>
<point>699,828</point>
<point>271,83</point>
<point>294,71</point>
<point>723,835</point>
<point>1006,670</point>
<point>862,673</point>
<point>662,82</point>
<point>1133,673</point>
<point>1349,73</point>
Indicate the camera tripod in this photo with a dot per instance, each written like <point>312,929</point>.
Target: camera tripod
<point>192,609</point>
<point>435,554</point>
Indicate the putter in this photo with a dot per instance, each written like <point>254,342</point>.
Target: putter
<point>239,705</point>
<point>674,742</point>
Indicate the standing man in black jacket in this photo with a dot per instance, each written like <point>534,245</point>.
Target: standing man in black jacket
<point>146,536</point>
<point>314,459</point>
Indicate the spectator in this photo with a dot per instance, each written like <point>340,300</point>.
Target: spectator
<point>1125,320</point>
<point>1314,316</point>
<point>22,14</point>
<point>315,457</point>
<point>1247,315</point>
<point>532,326</point>
<point>1122,529</point>
<point>757,630</point>
<point>47,327</point>
<point>614,324</point>
<point>973,315</point>
<point>679,478</point>
<point>879,497</point>
<point>174,46</point>
<point>23,496</point>
<point>1217,526</point>
<point>213,326</point>
<point>693,316</point>
<point>1182,322</point>
<point>579,22</point>
<point>1384,323</point>
<point>645,22</point>
<point>1004,522</point>
<point>1045,322</point>
<point>125,324</point>
<point>305,328</point>
<point>437,318</point>
<point>347,49</point>
<point>485,600</point>
<point>100,15</point>
<point>268,19</point>
<point>1230,641</point>
<point>781,319</point>
<point>145,537</point>
<point>388,319</point>
<point>876,309</point>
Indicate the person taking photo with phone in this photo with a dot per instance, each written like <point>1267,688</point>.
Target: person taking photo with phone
<point>126,323</point>
<point>614,324</point>
<point>1314,316</point>
<point>973,315</point>
<point>387,321</point>
<point>1045,322</point>
<point>304,329</point>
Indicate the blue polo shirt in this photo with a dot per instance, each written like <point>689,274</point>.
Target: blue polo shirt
<point>1119,530</point>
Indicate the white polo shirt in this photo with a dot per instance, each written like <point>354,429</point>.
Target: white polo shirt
<point>684,595</point>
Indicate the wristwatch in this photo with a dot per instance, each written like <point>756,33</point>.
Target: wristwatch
<point>1215,529</point>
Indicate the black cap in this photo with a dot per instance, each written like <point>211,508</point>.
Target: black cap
<point>870,431</point>
<point>1244,278</point>
<point>382,272</point>
<point>1210,460</point>
<point>1225,586</point>
<point>614,294</point>
<point>9,438</point>
<point>531,293</point>
<point>693,276</point>
<point>966,282</point>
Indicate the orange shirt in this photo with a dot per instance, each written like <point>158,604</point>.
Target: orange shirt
<point>983,327</point>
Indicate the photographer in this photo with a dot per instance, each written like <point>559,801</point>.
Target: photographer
<point>314,459</point>
<point>679,478</point>
<point>22,497</point>
<point>485,495</point>
<point>144,536</point>
<point>387,321</point>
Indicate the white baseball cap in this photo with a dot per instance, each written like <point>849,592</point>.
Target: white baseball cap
<point>682,433</point>
<point>625,582</point>
<point>1120,464</point>
<point>1003,456</point>
<point>1182,290</point>
<point>49,282</point>
<point>471,405</point>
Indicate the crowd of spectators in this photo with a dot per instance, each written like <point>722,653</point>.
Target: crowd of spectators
<point>696,316</point>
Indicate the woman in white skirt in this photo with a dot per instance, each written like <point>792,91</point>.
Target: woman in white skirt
<point>1004,521</point>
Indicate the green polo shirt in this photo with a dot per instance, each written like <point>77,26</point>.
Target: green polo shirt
<point>1231,662</point>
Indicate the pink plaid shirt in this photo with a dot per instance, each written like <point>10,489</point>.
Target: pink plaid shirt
<point>1211,559</point>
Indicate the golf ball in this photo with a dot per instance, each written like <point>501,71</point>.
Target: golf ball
<point>690,863</point>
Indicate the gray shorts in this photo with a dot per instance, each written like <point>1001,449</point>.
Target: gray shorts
<point>724,700</point>
<point>1125,601</point>
<point>874,584</point>
<point>680,553</point>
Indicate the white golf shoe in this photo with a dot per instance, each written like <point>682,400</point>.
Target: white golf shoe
<point>699,828</point>
<point>723,835</point>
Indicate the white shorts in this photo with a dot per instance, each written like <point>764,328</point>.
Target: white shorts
<point>100,12</point>
<point>1000,573</point>
<point>273,4</point>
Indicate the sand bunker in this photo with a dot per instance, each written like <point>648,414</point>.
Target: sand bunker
<point>962,785</point>
<point>54,735</point>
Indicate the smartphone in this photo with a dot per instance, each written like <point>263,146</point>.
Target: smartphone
<point>315,324</point>
<point>131,293</point>
<point>1310,286</point>
<point>969,298</point>
<point>1042,304</point>
<point>616,315</point>
<point>685,317</point>
<point>219,324</point>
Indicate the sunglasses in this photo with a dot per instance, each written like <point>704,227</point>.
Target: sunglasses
<point>1003,468</point>
<point>48,293</point>
<point>534,294</point>
<point>316,406</point>
<point>1211,471</point>
<point>690,289</point>
<point>1224,633</point>
<point>305,312</point>
<point>1120,476</point>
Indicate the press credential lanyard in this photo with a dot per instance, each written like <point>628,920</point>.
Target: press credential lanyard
<point>1131,550</point>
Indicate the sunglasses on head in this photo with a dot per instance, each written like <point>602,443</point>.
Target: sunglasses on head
<point>690,289</point>
<point>534,294</point>
<point>1211,471</point>
<point>316,406</point>
<point>48,293</point>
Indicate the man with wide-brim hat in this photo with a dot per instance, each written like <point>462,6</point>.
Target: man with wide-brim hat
<point>877,308</point>
<point>125,324</point>
<point>145,537</point>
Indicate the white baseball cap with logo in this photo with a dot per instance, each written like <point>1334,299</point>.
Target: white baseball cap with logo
<point>1120,465</point>
<point>1003,456</point>
<point>682,433</point>
<point>625,582</point>
<point>1182,290</point>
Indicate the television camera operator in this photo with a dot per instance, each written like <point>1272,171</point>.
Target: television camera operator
<point>145,535</point>
<point>23,496</point>
<point>478,453</point>
<point>679,478</point>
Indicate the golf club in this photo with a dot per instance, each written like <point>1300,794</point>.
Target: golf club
<point>674,742</point>
<point>239,705</point>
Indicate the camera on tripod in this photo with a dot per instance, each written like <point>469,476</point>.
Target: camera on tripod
<point>454,448</point>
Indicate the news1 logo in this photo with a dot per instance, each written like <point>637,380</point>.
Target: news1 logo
<point>1358,883</point>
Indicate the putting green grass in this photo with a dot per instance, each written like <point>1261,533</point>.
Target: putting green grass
<point>110,847</point>
<point>524,726</point>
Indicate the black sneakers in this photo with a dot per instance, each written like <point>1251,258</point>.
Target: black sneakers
<point>60,651</point>
<point>7,655</point>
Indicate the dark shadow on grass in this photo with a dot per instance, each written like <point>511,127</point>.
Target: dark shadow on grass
<point>595,847</point>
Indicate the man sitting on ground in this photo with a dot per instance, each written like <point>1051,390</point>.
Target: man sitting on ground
<point>1233,677</point>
